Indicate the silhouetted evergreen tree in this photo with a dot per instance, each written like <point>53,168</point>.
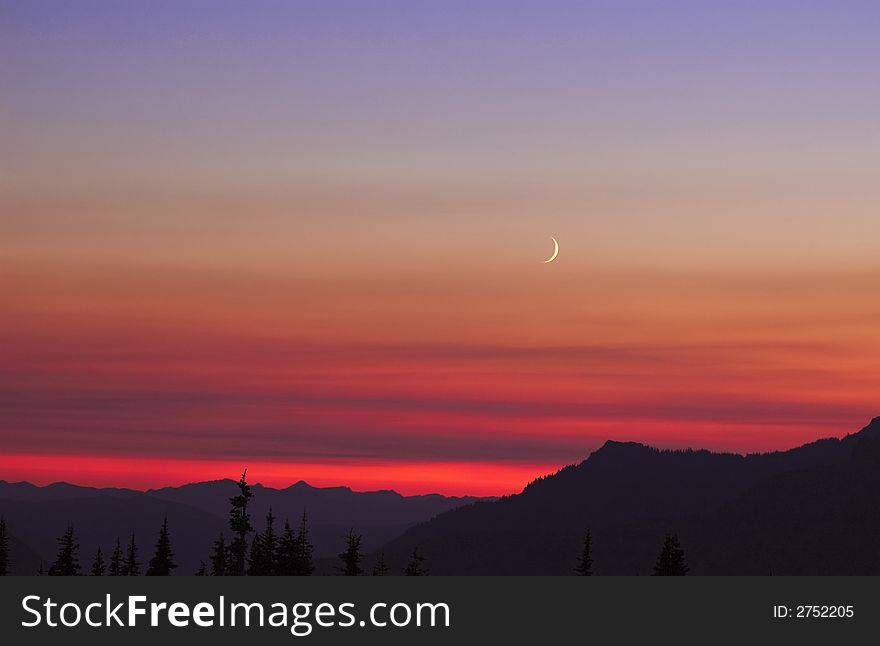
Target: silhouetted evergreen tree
<point>163,560</point>
<point>67,561</point>
<point>671,559</point>
<point>351,557</point>
<point>41,571</point>
<point>585,562</point>
<point>116,564</point>
<point>4,548</point>
<point>203,569</point>
<point>264,550</point>
<point>131,566</point>
<point>304,564</point>
<point>98,566</point>
<point>219,557</point>
<point>295,550</point>
<point>287,551</point>
<point>240,524</point>
<point>381,568</point>
<point>415,567</point>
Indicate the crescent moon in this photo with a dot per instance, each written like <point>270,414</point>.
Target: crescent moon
<point>555,251</point>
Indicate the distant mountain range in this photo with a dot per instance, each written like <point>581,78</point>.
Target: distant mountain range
<point>197,513</point>
<point>814,509</point>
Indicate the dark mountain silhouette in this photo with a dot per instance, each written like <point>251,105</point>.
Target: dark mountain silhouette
<point>58,491</point>
<point>811,509</point>
<point>818,520</point>
<point>99,520</point>
<point>325,505</point>
<point>378,515</point>
<point>197,513</point>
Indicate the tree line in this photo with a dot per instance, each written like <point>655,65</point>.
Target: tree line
<point>246,552</point>
<point>670,561</point>
<point>269,553</point>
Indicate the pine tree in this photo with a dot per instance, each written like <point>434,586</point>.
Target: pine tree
<point>131,566</point>
<point>351,557</point>
<point>295,550</point>
<point>98,567</point>
<point>381,568</point>
<point>671,559</point>
<point>415,567</point>
<point>304,564</point>
<point>585,562</point>
<point>4,548</point>
<point>41,571</point>
<point>163,560</point>
<point>287,551</point>
<point>116,565</point>
<point>240,524</point>
<point>219,557</point>
<point>67,561</point>
<point>203,569</point>
<point>264,550</point>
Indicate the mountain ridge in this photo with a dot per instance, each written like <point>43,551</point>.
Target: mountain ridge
<point>625,490</point>
<point>38,515</point>
<point>628,493</point>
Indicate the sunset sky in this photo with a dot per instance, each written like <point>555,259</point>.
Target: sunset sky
<point>308,237</point>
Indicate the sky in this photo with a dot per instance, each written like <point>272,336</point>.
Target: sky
<point>308,237</point>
